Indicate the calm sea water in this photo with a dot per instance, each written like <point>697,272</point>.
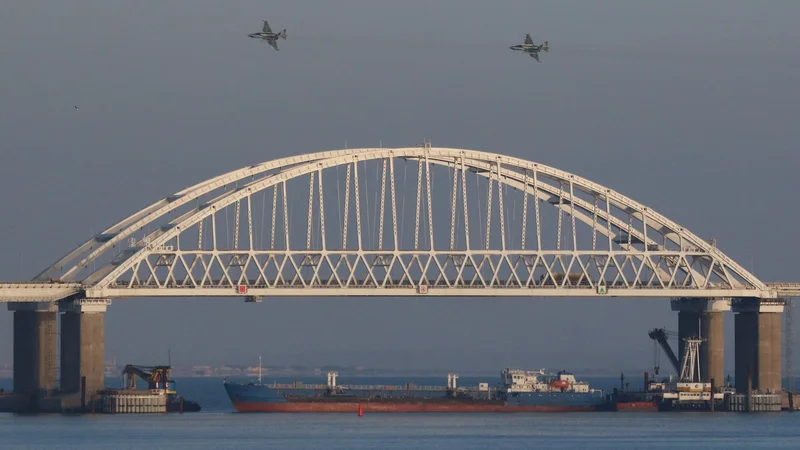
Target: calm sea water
<point>217,426</point>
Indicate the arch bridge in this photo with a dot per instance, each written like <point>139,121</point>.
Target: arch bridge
<point>416,221</point>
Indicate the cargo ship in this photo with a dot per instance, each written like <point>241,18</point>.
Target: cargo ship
<point>517,391</point>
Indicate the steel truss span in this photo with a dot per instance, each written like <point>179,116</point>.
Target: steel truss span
<point>398,222</point>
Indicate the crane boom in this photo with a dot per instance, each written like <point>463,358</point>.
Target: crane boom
<point>156,377</point>
<point>660,335</point>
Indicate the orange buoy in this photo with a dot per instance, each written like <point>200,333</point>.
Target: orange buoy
<point>360,410</point>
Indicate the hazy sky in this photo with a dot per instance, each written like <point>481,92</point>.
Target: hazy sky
<point>690,107</point>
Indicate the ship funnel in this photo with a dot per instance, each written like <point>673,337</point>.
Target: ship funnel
<point>451,380</point>
<point>332,379</point>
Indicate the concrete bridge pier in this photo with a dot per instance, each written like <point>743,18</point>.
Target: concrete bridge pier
<point>82,351</point>
<point>703,317</point>
<point>35,338</point>
<point>758,344</point>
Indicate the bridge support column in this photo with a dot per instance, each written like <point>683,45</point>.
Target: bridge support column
<point>35,331</point>
<point>758,344</point>
<point>83,349</point>
<point>704,318</point>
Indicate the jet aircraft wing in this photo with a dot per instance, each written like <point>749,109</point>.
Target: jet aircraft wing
<point>274,44</point>
<point>528,39</point>
<point>266,29</point>
<point>535,56</point>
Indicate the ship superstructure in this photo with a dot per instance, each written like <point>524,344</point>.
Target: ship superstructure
<point>517,380</point>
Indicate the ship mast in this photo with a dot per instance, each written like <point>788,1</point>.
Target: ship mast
<point>259,369</point>
<point>691,358</point>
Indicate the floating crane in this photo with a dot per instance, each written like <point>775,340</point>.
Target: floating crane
<point>157,378</point>
<point>660,335</point>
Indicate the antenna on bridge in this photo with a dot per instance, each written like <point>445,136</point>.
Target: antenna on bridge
<point>169,357</point>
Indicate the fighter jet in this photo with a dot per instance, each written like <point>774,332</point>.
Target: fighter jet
<point>530,48</point>
<point>268,36</point>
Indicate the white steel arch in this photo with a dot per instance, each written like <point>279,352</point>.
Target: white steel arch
<point>605,243</point>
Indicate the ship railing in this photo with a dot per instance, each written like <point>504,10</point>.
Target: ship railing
<point>379,387</point>
<point>358,387</point>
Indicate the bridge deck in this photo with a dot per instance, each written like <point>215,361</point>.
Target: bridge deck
<point>52,291</point>
<point>405,291</point>
<point>38,291</point>
<point>784,289</point>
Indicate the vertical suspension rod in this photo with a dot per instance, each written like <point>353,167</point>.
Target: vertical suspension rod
<point>274,216</point>
<point>644,227</point>
<point>464,199</point>
<point>608,221</point>
<point>630,229</point>
<point>500,205</point>
<point>321,210</point>
<point>430,203</point>
<point>250,221</point>
<point>524,210</point>
<point>536,208</point>
<point>214,227</point>
<point>200,234</point>
<point>489,206</point>
<point>453,205</point>
<point>419,199</point>
<point>285,215</point>
<point>394,203</point>
<point>236,224</point>
<point>594,224</point>
<point>310,211</point>
<point>346,207</point>
<point>560,212</point>
<point>572,214</point>
<point>383,205</point>
<point>358,203</point>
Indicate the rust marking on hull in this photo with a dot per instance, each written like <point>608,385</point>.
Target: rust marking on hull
<point>637,406</point>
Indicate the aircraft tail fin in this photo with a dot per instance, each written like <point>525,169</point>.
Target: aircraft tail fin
<point>546,46</point>
<point>283,34</point>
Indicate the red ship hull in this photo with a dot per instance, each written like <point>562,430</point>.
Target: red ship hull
<point>637,406</point>
<point>366,407</point>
